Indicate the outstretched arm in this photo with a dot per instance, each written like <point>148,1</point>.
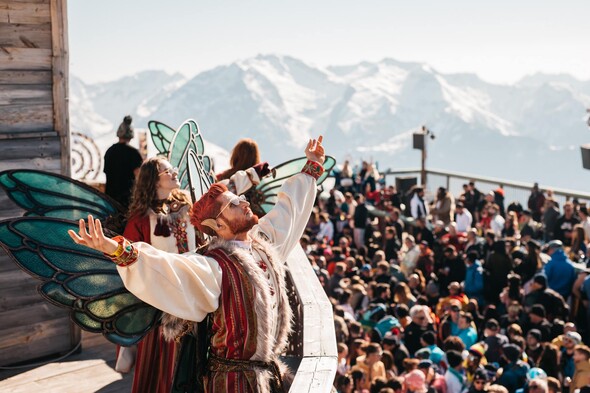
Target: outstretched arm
<point>285,223</point>
<point>187,286</point>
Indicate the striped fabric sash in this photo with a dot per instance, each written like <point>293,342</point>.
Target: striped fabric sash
<point>218,364</point>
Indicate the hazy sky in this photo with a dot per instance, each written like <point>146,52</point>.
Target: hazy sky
<point>500,40</point>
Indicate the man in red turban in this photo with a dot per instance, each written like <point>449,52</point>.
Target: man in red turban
<point>239,281</point>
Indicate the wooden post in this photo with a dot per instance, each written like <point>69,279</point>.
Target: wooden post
<point>60,67</point>
<point>423,171</point>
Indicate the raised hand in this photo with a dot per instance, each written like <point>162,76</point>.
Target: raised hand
<point>94,237</point>
<point>315,151</point>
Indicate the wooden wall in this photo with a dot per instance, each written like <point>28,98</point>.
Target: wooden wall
<point>34,133</point>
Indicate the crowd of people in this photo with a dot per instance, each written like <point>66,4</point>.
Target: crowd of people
<point>462,293</point>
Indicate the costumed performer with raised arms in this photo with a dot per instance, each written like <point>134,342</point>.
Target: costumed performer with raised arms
<point>239,280</point>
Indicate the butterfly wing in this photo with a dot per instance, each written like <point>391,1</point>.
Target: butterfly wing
<point>188,139</point>
<point>52,195</point>
<point>77,278</point>
<point>162,136</point>
<point>264,197</point>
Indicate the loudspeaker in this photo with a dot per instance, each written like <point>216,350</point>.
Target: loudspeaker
<point>419,138</point>
<point>585,156</point>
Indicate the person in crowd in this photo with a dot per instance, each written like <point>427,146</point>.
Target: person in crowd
<point>581,376</point>
<point>371,365</point>
<point>514,373</point>
<point>444,206</point>
<point>536,202</point>
<point>474,278</point>
<point>360,220</point>
<point>463,218</point>
<point>466,332</point>
<point>549,219</point>
<point>418,207</point>
<point>564,225</point>
<point>410,254</point>
<point>559,270</point>
<point>454,378</point>
<point>121,164</point>
<point>244,155</point>
<point>542,354</point>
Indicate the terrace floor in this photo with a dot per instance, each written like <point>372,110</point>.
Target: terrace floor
<point>90,370</point>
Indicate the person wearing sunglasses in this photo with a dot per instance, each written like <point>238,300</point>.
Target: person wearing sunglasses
<point>238,283</point>
<point>159,215</point>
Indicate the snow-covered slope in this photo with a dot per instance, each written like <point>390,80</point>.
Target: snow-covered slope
<point>529,131</point>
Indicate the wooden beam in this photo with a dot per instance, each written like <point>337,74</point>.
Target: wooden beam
<point>24,12</point>
<point>60,68</point>
<point>25,36</point>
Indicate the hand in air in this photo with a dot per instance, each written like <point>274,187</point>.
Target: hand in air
<point>94,237</point>
<point>315,151</point>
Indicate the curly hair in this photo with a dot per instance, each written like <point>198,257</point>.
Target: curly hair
<point>145,190</point>
<point>207,207</point>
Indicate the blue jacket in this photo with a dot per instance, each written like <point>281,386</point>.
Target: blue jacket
<point>560,273</point>
<point>514,376</point>
<point>474,282</point>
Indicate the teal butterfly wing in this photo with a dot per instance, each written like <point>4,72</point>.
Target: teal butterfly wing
<point>188,140</point>
<point>48,194</point>
<point>77,278</point>
<point>162,136</point>
<point>264,196</point>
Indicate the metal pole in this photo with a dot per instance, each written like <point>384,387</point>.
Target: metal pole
<point>423,175</point>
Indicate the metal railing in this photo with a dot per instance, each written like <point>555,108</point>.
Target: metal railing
<point>513,190</point>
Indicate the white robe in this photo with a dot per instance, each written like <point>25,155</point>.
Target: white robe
<point>188,286</point>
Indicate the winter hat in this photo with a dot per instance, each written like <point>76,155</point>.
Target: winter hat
<point>477,349</point>
<point>575,337</point>
<point>125,129</point>
<point>536,334</point>
<point>538,310</point>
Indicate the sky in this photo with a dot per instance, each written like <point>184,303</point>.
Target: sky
<point>501,41</point>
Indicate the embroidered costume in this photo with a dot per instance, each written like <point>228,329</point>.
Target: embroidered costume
<point>241,283</point>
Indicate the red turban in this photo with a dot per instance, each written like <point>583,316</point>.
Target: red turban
<point>207,207</point>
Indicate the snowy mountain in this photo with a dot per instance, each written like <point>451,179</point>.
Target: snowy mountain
<point>530,131</point>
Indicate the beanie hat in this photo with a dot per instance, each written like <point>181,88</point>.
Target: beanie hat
<point>477,349</point>
<point>536,334</point>
<point>538,310</point>
<point>125,129</point>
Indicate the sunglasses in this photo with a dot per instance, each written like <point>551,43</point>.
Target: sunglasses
<point>534,386</point>
<point>455,309</point>
<point>236,200</point>
<point>480,381</point>
<point>170,171</point>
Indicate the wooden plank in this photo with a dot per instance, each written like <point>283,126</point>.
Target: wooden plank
<point>23,343</point>
<point>60,68</point>
<point>35,313</point>
<point>315,374</point>
<point>24,118</point>
<point>18,150</point>
<point>20,77</point>
<point>23,95</point>
<point>25,36</point>
<point>24,12</point>
<point>12,58</point>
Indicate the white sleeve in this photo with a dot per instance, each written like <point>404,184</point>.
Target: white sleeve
<point>285,223</point>
<point>242,181</point>
<point>187,285</point>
